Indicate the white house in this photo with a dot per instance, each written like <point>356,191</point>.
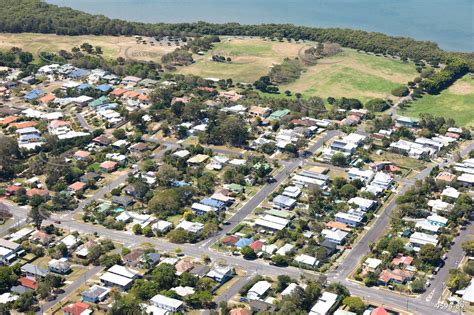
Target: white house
<point>258,290</point>
<point>364,175</point>
<point>166,303</point>
<point>325,304</point>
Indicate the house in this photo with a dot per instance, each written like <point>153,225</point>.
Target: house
<point>198,159</point>
<point>445,177</point>
<point>306,260</point>
<point>350,218</point>
<point>372,264</point>
<point>335,235</point>
<point>110,279</point>
<point>325,305</point>
<point>39,192</point>
<point>77,186</point>
<point>364,204</point>
<point>364,175</point>
<point>123,201</point>
<point>439,205</point>
<point>162,226</point>
<point>78,308</point>
<point>192,227</point>
<point>28,282</point>
<point>257,111</point>
<point>41,237</point>
<point>285,249</point>
<point>256,245</point>
<point>292,192</point>
<point>82,155</point>
<point>279,114</point>
<point>8,251</point>
<point>60,266</point>
<point>221,274</point>
<point>45,100</point>
<point>437,220</point>
<point>396,276</point>
<point>240,311</point>
<point>124,271</point>
<point>184,265</point>
<point>258,290</point>
<point>83,250</point>
<point>272,222</point>
<point>382,180</point>
<point>138,147</point>
<point>466,179</point>
<point>95,294</point>
<point>166,303</point>
<point>379,311</point>
<point>217,204</point>
<point>89,177</point>
<point>108,166</point>
<point>200,270</point>
<point>230,240</point>
<point>468,293</point>
<point>201,209</point>
<point>284,202</point>
<point>450,193</point>
<point>149,260</point>
<point>408,122</point>
<point>71,241</point>
<point>130,80</point>
<point>411,149</point>
<point>402,260</point>
<point>132,259</point>
<point>419,239</point>
<point>183,291</point>
<point>33,271</point>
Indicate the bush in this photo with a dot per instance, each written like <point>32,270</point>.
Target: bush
<point>377,105</point>
<point>401,91</point>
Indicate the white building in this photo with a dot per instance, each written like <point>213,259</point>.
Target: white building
<point>258,290</point>
<point>325,304</point>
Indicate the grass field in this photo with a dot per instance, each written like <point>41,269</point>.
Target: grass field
<point>456,102</point>
<point>251,59</point>
<point>353,74</point>
<point>112,46</point>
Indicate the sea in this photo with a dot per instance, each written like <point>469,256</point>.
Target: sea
<point>450,23</point>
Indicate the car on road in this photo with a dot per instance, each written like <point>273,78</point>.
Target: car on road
<point>57,221</point>
<point>427,284</point>
<point>271,179</point>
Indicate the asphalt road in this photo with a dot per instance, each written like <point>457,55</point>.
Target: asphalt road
<point>83,122</point>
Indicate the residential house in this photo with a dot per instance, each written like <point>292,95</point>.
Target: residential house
<point>257,111</point>
<point>398,276</point>
<point>168,304</point>
<point>258,290</point>
<point>364,175</point>
<point>192,227</point>
<point>78,308</point>
<point>364,204</point>
<point>419,239</point>
<point>325,305</point>
<point>33,271</point>
<point>108,166</point>
<point>184,265</point>
<point>307,260</point>
<point>372,264</point>
<point>61,266</point>
<point>221,274</point>
<point>402,260</point>
<point>335,235</point>
<point>95,294</point>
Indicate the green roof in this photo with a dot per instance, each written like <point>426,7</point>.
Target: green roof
<point>100,101</point>
<point>278,114</point>
<point>236,187</point>
<point>280,213</point>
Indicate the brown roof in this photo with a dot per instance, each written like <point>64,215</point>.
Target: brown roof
<point>338,225</point>
<point>230,240</point>
<point>134,255</point>
<point>240,311</point>
<point>47,98</point>
<point>396,274</point>
<point>8,120</point>
<point>28,282</point>
<point>41,236</point>
<point>77,186</point>
<point>401,259</point>
<point>446,176</point>
<point>108,164</point>
<point>184,265</point>
<point>82,154</point>
<point>24,124</point>
<point>36,191</point>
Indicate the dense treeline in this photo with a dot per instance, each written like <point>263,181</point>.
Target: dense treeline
<point>35,16</point>
<point>455,68</point>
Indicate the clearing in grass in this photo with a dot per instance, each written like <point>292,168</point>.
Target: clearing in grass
<point>456,102</point>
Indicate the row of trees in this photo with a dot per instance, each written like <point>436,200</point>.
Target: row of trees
<point>36,16</point>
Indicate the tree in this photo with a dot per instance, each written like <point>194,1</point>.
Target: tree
<point>348,191</point>
<point>165,276</point>
<point>166,174</point>
<point>339,159</point>
<point>205,284</point>
<point>468,246</point>
<point>457,280</point>
<point>355,304</point>
<point>109,260</point>
<point>280,260</point>
<point>137,229</point>
<point>7,278</point>
<point>395,246</point>
<point>125,305</point>
<point>469,268</point>
<point>119,134</point>
<point>401,91</point>
<point>199,299</point>
<point>338,289</point>
<point>430,254</point>
<point>145,290</point>
<point>38,215</point>
<point>248,252</point>
<point>25,57</point>
<point>418,285</point>
<point>9,154</point>
<point>311,294</point>
<point>24,302</point>
<point>377,105</point>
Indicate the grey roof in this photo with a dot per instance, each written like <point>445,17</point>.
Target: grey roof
<point>35,270</point>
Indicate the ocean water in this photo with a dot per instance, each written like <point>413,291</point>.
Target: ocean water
<point>450,23</point>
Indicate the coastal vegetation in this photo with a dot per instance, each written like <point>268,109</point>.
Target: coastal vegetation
<point>19,16</point>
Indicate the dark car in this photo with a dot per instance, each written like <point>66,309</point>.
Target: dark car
<point>271,179</point>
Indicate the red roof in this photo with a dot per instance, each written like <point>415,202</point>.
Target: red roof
<point>58,123</point>
<point>76,308</point>
<point>28,282</point>
<point>47,98</point>
<point>36,191</point>
<point>379,311</point>
<point>8,120</point>
<point>82,154</point>
<point>230,240</point>
<point>118,92</point>
<point>12,189</point>
<point>77,186</point>
<point>240,311</point>
<point>108,165</point>
<point>24,124</point>
<point>401,259</point>
<point>257,245</point>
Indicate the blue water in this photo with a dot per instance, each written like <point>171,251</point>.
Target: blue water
<point>450,23</point>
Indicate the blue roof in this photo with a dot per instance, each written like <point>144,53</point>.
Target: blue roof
<point>104,87</point>
<point>84,86</point>
<point>34,94</point>
<point>212,202</point>
<point>30,137</point>
<point>244,242</point>
<point>180,183</point>
<point>78,73</point>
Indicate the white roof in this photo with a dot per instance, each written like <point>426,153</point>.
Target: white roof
<point>422,239</point>
<point>70,241</point>
<point>439,204</point>
<point>183,291</point>
<point>201,207</point>
<point>372,263</point>
<point>190,226</point>
<point>324,304</point>
<point>285,249</point>
<point>123,271</point>
<point>164,300</point>
<point>427,226</point>
<point>468,295</point>
<point>162,225</point>
<point>467,178</point>
<point>116,279</point>
<point>289,289</point>
<point>451,192</point>
<point>438,219</point>
<point>363,203</point>
<point>181,153</point>
<point>306,259</point>
<point>334,234</point>
<point>260,287</point>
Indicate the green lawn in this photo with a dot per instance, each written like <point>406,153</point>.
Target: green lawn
<point>353,74</point>
<point>456,102</point>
